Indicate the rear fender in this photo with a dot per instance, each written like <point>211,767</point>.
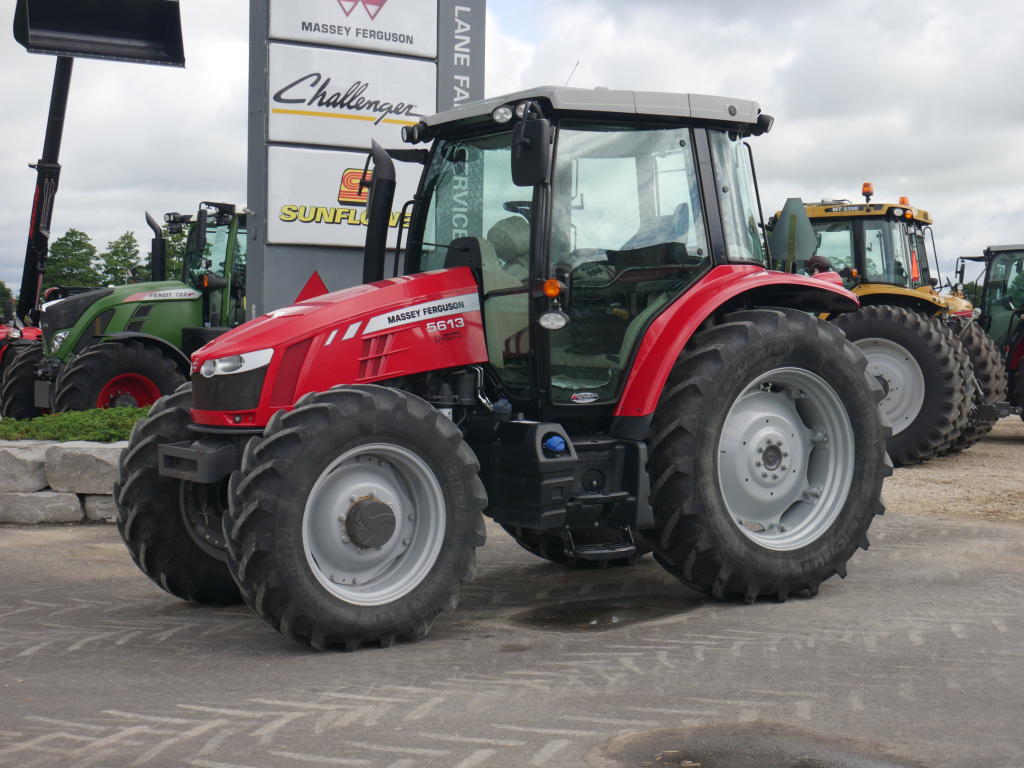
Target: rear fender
<point>724,288</point>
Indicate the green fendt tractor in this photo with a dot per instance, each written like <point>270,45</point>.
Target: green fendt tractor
<point>1002,314</point>
<point>129,345</point>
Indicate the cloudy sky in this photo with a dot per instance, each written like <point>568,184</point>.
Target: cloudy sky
<point>920,98</point>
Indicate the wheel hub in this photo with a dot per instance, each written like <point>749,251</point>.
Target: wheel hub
<point>901,378</point>
<point>373,524</point>
<point>370,523</point>
<point>782,474</point>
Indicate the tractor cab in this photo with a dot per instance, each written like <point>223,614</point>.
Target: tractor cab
<point>880,243</point>
<point>591,216</point>
<point>1002,290</point>
<point>214,260</point>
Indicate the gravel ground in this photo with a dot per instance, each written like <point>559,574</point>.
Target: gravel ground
<point>982,482</point>
<point>913,661</point>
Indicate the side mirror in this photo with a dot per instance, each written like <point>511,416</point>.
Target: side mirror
<point>531,152</point>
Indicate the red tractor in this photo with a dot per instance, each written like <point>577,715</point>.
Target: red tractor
<point>14,335</point>
<point>584,343</point>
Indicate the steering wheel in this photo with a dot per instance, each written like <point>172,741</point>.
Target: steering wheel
<point>523,207</point>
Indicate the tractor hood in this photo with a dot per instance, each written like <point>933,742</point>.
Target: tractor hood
<point>383,330</point>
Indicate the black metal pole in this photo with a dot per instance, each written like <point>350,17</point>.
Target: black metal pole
<point>47,177</point>
<point>158,254</point>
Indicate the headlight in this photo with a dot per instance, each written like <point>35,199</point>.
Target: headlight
<point>58,339</point>
<point>247,361</point>
<point>13,333</point>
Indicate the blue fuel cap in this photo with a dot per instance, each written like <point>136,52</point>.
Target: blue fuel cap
<point>554,443</point>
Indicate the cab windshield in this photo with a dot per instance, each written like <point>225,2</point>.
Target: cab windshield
<point>890,255</point>
<point>1004,297</point>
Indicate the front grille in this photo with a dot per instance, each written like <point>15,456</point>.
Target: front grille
<point>228,392</point>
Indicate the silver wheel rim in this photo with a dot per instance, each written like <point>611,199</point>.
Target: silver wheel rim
<point>901,377</point>
<point>381,474</point>
<point>786,459</point>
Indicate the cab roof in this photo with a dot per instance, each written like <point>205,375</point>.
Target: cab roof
<point>825,209</point>
<point>610,103</point>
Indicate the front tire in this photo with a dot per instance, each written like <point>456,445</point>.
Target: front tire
<point>920,364</point>
<point>17,389</point>
<point>115,374</point>
<point>173,528</point>
<point>356,518</point>
<point>767,457</point>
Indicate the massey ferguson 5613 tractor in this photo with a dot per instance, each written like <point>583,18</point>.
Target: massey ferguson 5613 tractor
<point>584,344</point>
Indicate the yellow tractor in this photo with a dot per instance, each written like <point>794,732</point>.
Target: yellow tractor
<point>935,365</point>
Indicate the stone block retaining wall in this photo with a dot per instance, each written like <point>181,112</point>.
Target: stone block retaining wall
<point>49,482</point>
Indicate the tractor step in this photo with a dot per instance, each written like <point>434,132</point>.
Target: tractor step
<point>613,550</point>
<point>616,549</point>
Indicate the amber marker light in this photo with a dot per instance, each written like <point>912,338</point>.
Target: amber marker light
<point>868,190</point>
<point>908,215</point>
<point>553,287</point>
<point>904,201</point>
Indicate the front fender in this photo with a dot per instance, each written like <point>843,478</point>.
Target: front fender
<point>731,286</point>
<point>166,347</point>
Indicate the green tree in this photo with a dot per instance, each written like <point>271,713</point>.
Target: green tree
<point>71,261</point>
<point>972,292</point>
<point>6,299</point>
<point>120,258</point>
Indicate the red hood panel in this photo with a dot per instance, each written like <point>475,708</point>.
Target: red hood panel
<point>397,327</point>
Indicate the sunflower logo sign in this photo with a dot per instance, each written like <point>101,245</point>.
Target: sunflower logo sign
<point>316,198</point>
<point>351,190</point>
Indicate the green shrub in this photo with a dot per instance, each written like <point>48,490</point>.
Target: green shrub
<point>105,425</point>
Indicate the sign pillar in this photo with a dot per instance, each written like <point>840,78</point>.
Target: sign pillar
<point>326,78</point>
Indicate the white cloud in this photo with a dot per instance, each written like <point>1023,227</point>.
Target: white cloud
<point>136,137</point>
<point>918,98</point>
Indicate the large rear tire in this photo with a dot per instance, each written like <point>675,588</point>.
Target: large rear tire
<point>17,389</point>
<point>356,518</point>
<point>990,374</point>
<point>767,457</point>
<point>116,374</point>
<point>173,528</point>
<point>920,365</point>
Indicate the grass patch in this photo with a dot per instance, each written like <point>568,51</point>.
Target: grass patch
<point>105,425</point>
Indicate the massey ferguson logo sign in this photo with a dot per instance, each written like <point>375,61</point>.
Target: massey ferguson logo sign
<point>407,27</point>
<point>372,6</point>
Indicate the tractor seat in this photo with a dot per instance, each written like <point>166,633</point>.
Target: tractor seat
<point>511,240</point>
<point>661,229</point>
